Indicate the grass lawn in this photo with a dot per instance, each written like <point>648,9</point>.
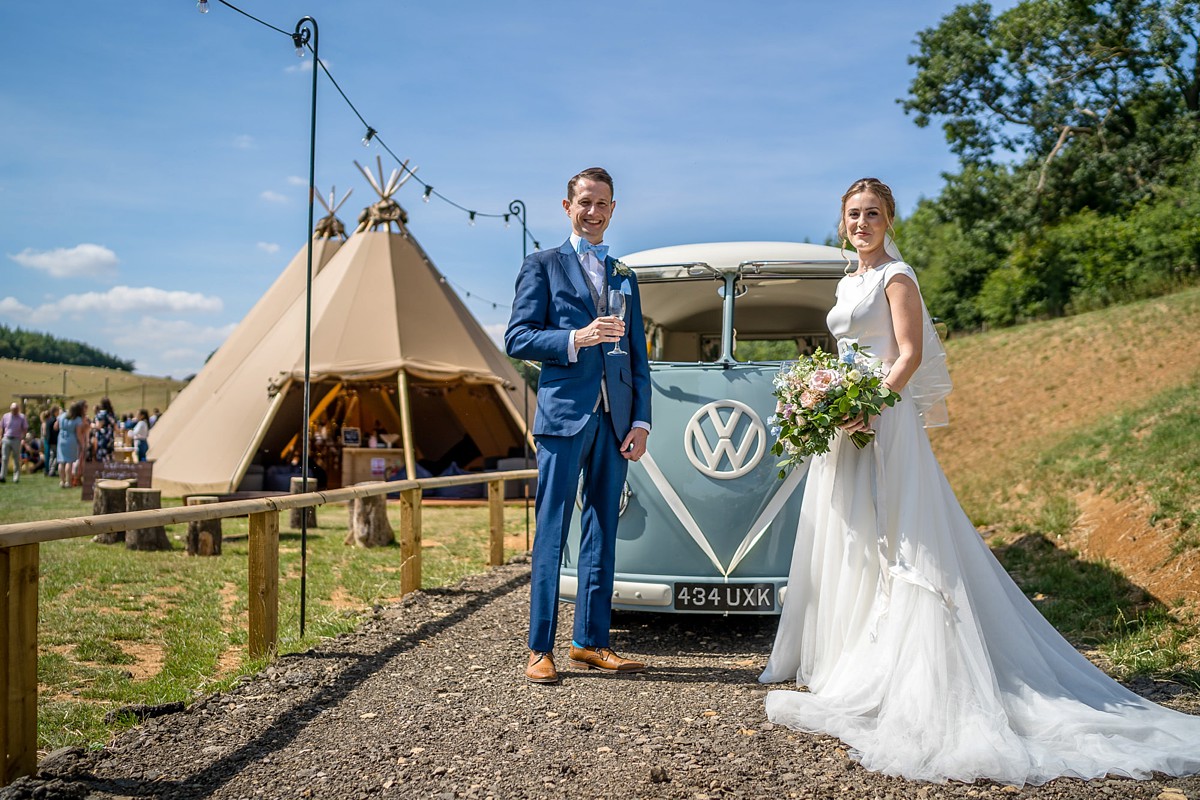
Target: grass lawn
<point>119,627</point>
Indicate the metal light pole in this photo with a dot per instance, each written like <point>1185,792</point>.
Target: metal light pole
<point>517,207</point>
<point>303,36</point>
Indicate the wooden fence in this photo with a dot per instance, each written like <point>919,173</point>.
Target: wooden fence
<point>19,579</point>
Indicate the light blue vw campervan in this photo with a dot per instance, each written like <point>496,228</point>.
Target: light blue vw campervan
<point>706,524</point>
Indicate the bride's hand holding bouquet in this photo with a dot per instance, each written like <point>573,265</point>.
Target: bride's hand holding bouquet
<point>821,393</point>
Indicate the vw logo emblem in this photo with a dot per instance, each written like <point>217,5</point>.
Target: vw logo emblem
<point>723,459</point>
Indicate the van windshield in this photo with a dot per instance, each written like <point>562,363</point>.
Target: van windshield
<point>775,318</point>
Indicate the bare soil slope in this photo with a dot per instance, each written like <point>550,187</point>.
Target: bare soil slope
<point>1020,389</point>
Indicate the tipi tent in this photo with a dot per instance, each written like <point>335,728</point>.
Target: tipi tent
<point>392,344</point>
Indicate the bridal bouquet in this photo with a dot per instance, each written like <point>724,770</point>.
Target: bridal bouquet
<point>819,392</point>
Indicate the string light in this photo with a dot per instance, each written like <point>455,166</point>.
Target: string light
<point>300,41</point>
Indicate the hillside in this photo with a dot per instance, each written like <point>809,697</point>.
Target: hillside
<point>128,391</point>
<point>28,345</point>
<point>1053,430</point>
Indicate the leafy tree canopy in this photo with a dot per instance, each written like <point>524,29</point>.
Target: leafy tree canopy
<point>1077,127</point>
<point>34,346</point>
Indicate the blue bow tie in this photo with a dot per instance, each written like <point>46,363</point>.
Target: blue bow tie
<point>599,250</point>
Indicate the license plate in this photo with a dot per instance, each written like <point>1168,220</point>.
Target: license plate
<point>724,597</point>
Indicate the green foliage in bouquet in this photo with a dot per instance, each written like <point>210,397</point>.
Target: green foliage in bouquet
<point>820,392</point>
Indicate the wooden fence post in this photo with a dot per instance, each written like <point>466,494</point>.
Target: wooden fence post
<point>18,661</point>
<point>495,523</point>
<point>410,540</point>
<point>263,588</point>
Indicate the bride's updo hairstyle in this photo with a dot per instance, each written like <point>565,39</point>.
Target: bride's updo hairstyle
<point>880,190</point>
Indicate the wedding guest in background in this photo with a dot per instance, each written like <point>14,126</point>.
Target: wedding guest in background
<point>13,427</point>
<point>31,455</point>
<point>70,446</point>
<point>141,433</point>
<point>50,439</point>
<point>105,437</point>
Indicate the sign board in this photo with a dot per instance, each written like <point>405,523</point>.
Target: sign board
<point>140,473</point>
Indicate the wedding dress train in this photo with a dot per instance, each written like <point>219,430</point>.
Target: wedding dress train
<point>917,649</point>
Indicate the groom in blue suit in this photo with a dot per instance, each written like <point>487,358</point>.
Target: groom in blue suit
<point>593,417</point>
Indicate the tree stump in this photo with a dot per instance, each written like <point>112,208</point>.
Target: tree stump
<point>369,526</point>
<point>154,538</point>
<point>296,515</point>
<point>109,498</point>
<point>203,536</point>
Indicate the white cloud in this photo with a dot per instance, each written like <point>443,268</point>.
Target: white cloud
<point>244,142</point>
<point>496,331</point>
<point>296,180</point>
<point>12,307</point>
<point>273,197</point>
<point>87,260</point>
<point>119,300</point>
<point>167,346</point>
<point>268,247</point>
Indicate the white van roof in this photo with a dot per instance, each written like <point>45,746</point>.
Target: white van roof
<point>728,256</point>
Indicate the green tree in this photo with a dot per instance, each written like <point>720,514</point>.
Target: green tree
<point>1077,126</point>
<point>1046,72</point>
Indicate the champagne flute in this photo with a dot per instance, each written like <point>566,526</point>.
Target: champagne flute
<point>616,307</point>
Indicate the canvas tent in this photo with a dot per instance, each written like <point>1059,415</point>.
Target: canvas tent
<point>391,342</point>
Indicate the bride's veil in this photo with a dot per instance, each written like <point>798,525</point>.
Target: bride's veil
<point>930,384</point>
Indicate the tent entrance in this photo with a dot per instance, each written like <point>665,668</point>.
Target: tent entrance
<point>456,426</point>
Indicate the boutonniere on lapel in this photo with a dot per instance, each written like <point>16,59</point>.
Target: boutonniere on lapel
<point>619,270</point>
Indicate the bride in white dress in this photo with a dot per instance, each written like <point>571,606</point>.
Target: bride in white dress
<point>917,649</point>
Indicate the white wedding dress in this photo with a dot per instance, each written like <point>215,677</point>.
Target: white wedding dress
<point>918,650</point>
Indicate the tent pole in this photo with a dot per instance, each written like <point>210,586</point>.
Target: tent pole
<point>410,462</point>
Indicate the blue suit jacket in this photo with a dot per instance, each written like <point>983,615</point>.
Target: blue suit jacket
<point>552,300</point>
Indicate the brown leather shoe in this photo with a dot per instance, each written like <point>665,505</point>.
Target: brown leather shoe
<point>541,668</point>
<point>602,658</point>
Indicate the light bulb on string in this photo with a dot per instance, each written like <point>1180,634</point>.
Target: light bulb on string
<point>298,40</point>
<point>370,134</point>
<point>202,6</point>
<point>428,191</point>
<point>506,223</point>
<point>471,219</point>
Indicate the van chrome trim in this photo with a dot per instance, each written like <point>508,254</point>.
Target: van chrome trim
<point>628,593</point>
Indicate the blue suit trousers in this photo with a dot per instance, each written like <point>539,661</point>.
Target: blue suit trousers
<point>594,452</point>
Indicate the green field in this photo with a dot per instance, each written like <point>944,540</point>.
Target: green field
<point>128,391</point>
<point>119,627</point>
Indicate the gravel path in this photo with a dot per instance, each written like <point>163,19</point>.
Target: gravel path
<point>427,700</point>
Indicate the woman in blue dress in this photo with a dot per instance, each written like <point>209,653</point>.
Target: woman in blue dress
<point>68,443</point>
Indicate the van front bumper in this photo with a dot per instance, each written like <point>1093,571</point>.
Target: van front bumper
<point>659,595</point>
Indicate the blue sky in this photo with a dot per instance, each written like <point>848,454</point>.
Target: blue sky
<point>154,160</point>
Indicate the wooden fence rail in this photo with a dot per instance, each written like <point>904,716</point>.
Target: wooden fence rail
<point>19,555</point>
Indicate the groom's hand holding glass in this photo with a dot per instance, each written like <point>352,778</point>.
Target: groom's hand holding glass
<point>601,330</point>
